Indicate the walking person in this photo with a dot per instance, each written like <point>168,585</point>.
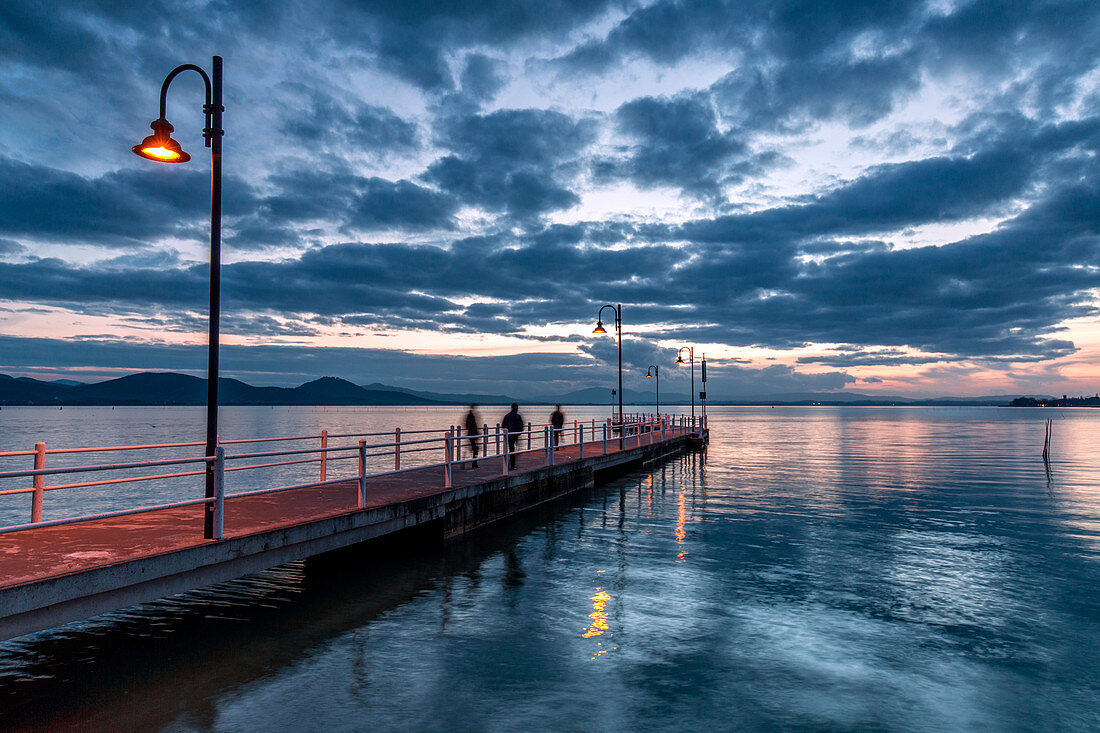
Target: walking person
<point>557,422</point>
<point>513,423</point>
<point>473,431</point>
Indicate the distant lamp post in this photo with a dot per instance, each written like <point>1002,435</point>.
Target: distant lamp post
<point>618,311</point>
<point>703,392</point>
<point>654,372</point>
<point>160,147</point>
<point>691,360</point>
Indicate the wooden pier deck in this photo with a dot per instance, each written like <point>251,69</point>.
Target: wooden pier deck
<point>56,574</point>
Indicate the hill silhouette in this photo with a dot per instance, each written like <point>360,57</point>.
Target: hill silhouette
<point>169,388</point>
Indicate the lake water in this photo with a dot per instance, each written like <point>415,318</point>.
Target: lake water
<point>818,568</point>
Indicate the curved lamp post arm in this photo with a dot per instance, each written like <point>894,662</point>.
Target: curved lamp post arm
<point>657,387</point>
<point>617,310</point>
<point>208,108</point>
<point>691,359</point>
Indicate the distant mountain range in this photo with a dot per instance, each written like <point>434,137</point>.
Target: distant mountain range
<point>169,388</point>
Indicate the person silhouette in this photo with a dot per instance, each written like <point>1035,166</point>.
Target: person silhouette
<point>513,423</point>
<point>473,431</point>
<point>557,421</point>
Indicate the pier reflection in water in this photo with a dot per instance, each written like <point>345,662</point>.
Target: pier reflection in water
<point>823,568</point>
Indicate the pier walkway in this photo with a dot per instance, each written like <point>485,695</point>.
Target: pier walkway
<point>53,572</point>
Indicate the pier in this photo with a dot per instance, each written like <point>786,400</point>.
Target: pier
<point>61,570</point>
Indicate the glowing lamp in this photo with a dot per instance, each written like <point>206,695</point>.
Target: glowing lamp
<point>680,359</point>
<point>160,146</point>
<point>599,328</point>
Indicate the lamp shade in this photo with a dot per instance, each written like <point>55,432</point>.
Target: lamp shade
<point>160,146</point>
<point>599,328</point>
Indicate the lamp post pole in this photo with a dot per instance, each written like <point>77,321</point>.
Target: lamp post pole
<point>162,148</point>
<point>618,311</point>
<point>656,374</point>
<point>215,289</point>
<point>691,359</point>
<point>703,392</point>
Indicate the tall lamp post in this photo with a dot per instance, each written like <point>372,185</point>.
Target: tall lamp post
<point>160,147</point>
<point>691,359</point>
<point>654,372</point>
<point>618,311</point>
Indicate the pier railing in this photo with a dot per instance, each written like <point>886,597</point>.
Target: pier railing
<point>409,450</point>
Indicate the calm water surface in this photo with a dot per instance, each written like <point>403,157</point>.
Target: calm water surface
<point>819,568</point>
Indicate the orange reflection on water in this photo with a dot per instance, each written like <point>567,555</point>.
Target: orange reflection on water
<point>599,614</point>
<point>681,533</point>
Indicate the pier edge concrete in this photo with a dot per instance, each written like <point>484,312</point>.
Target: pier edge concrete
<point>54,601</point>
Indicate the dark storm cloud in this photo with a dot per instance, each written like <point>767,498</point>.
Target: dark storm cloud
<point>482,77</point>
<point>135,207</point>
<point>678,143</point>
<point>351,128</point>
<point>413,39</point>
<point>117,209</point>
<point>887,357</point>
<point>381,204</point>
<point>125,208</point>
<point>516,161</point>
<point>799,62</point>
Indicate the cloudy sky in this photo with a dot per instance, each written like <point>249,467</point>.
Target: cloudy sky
<point>885,197</point>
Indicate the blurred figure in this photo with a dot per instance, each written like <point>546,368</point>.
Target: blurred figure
<point>513,423</point>
<point>473,431</point>
<point>557,422</point>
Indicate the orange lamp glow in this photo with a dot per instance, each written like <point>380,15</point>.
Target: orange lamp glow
<point>680,359</point>
<point>599,328</point>
<point>160,146</point>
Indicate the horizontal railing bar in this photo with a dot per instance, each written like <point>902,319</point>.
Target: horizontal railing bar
<point>50,451</point>
<point>105,515</point>
<point>107,467</point>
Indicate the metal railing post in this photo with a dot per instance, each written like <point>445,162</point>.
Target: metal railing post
<point>503,454</point>
<point>447,452</point>
<point>397,449</point>
<point>485,440</point>
<point>362,474</point>
<point>219,493</point>
<point>581,441</point>
<point>605,439</point>
<point>528,436</point>
<point>324,455</point>
<point>38,482</point>
<point>574,431</point>
<point>546,431</point>
<point>498,438</point>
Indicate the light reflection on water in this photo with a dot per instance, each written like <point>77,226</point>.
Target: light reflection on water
<point>823,568</point>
